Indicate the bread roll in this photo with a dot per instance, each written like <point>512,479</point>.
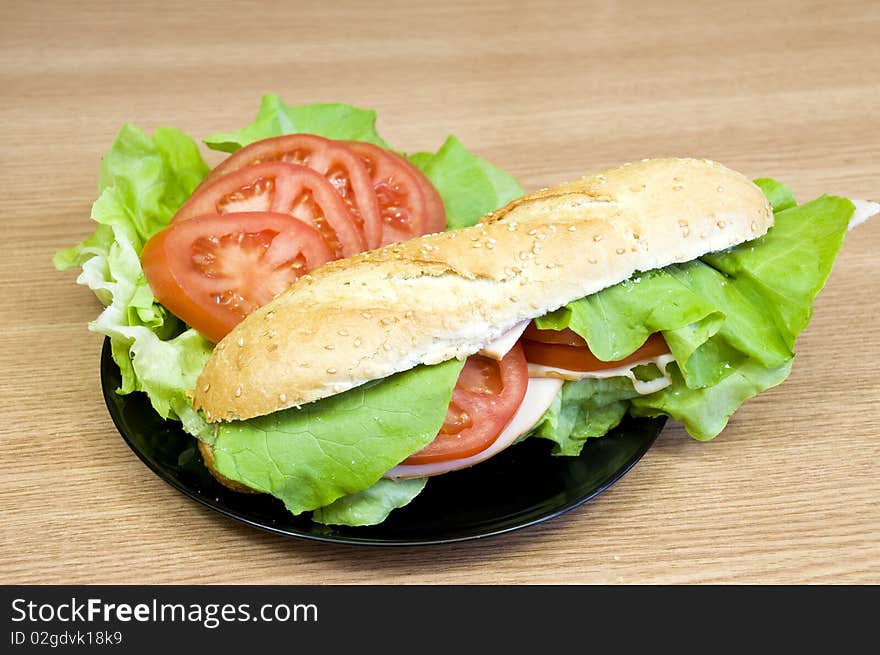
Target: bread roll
<point>446,295</point>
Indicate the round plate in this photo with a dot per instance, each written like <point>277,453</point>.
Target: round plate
<point>521,486</point>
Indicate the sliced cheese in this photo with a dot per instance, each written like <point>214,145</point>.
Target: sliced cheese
<point>540,394</point>
<point>502,345</point>
<point>641,386</point>
<point>865,209</point>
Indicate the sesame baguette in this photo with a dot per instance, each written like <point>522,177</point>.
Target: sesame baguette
<point>445,295</point>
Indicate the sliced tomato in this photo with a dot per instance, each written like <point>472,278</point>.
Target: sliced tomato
<point>283,188</point>
<point>409,205</point>
<point>211,271</point>
<point>434,203</point>
<point>486,397</point>
<point>564,337</point>
<point>580,358</point>
<point>332,159</point>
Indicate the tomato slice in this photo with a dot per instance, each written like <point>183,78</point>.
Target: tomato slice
<point>566,337</point>
<point>486,397</point>
<point>436,221</point>
<point>282,188</point>
<point>580,358</point>
<point>408,202</point>
<point>332,159</point>
<point>211,271</point>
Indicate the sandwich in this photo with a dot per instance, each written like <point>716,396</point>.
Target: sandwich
<point>385,347</point>
<point>665,287</point>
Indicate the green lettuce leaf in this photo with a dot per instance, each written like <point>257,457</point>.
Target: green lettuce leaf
<point>341,445</point>
<point>779,195</point>
<point>705,412</point>
<point>143,181</point>
<point>787,267</point>
<point>330,120</point>
<point>372,505</point>
<point>470,187</point>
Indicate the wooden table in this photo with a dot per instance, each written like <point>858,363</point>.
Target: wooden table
<point>548,91</point>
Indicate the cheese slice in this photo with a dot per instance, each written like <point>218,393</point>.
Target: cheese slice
<point>540,394</point>
<point>641,386</point>
<point>865,209</point>
<point>501,346</point>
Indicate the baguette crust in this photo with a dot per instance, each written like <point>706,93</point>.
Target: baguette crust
<point>446,295</point>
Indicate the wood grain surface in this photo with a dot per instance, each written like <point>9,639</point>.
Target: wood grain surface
<point>548,91</point>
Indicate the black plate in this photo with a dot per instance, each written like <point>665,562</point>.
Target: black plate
<point>519,487</point>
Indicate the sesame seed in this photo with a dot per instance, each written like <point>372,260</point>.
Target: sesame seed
<point>683,223</point>
<point>490,246</point>
<point>720,189</point>
<point>357,343</point>
<point>597,238</point>
<point>387,346</point>
<point>367,315</point>
<point>721,224</point>
<point>206,388</point>
<point>478,245</point>
<point>409,314</point>
<point>283,398</point>
<point>269,315</point>
<point>754,226</point>
<point>329,346</point>
<point>593,260</point>
<point>238,391</point>
<point>620,251</point>
<point>532,233</point>
<point>686,231</point>
<point>331,370</point>
<point>511,227</point>
<point>239,342</point>
<point>551,265</point>
<point>342,333</point>
<point>513,299</point>
<point>677,187</point>
<point>572,228</point>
